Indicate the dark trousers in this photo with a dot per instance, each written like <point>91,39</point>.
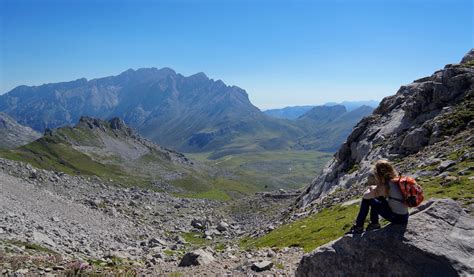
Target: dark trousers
<point>378,207</point>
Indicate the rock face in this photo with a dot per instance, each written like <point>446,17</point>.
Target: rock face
<point>419,114</point>
<point>13,134</point>
<point>436,242</point>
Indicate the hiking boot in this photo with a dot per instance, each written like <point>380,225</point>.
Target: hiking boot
<point>372,226</point>
<point>356,230</point>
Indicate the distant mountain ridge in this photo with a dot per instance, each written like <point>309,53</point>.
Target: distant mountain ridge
<point>328,126</point>
<point>294,112</point>
<point>288,112</point>
<point>189,114</point>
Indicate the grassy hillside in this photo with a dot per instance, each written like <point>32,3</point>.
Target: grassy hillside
<point>94,148</point>
<point>116,154</point>
<point>329,224</point>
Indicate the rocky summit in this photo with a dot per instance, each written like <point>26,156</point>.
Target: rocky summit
<point>436,242</point>
<point>420,114</point>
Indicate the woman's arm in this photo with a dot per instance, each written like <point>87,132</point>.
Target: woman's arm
<point>371,192</point>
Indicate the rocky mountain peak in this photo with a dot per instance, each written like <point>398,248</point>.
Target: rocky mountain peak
<point>419,114</point>
<point>115,124</point>
<point>469,57</point>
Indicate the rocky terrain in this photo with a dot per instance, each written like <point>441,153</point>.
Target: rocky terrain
<point>51,222</point>
<point>428,111</point>
<point>13,134</point>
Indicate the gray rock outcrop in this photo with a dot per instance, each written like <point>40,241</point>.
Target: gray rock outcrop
<point>436,242</point>
<point>13,134</point>
<point>197,257</point>
<point>418,115</point>
<point>468,57</point>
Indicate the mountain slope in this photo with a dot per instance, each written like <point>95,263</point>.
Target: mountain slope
<point>13,134</point>
<point>431,114</point>
<point>328,126</point>
<point>117,154</point>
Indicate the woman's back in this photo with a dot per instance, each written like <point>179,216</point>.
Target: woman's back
<point>395,200</point>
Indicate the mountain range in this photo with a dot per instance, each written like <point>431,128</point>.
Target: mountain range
<point>189,114</point>
<point>294,112</point>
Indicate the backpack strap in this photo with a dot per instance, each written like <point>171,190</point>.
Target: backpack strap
<point>396,199</point>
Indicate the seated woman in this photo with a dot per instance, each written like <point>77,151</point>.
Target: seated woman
<point>381,198</point>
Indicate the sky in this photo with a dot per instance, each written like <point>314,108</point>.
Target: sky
<point>283,53</point>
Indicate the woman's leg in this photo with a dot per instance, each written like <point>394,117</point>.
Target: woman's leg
<point>376,206</point>
<point>385,211</point>
<point>365,206</point>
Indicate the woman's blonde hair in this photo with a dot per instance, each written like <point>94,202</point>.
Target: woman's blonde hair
<point>384,172</point>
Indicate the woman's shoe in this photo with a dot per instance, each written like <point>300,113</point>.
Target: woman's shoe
<point>372,226</point>
<point>356,230</point>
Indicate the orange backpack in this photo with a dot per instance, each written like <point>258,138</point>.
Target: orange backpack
<point>412,192</point>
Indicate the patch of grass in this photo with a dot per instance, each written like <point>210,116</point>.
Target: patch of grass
<point>263,170</point>
<point>279,265</point>
<point>468,64</point>
<point>169,252</point>
<point>194,238</point>
<point>175,274</point>
<point>219,247</point>
<point>461,189</point>
<point>308,233</point>
<point>458,120</point>
<point>354,168</point>
<point>32,246</point>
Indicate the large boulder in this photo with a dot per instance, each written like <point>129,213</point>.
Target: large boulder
<point>197,257</point>
<point>436,242</point>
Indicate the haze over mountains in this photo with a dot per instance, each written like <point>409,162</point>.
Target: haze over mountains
<point>189,114</point>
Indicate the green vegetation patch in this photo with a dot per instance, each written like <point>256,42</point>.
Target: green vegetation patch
<point>194,238</point>
<point>458,120</point>
<point>308,233</point>
<point>263,170</point>
<point>32,246</point>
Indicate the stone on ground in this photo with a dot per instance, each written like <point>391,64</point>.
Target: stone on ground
<point>262,266</point>
<point>197,257</point>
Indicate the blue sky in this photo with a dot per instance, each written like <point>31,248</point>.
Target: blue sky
<point>282,52</point>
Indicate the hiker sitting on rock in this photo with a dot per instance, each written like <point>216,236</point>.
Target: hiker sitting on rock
<point>383,197</point>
